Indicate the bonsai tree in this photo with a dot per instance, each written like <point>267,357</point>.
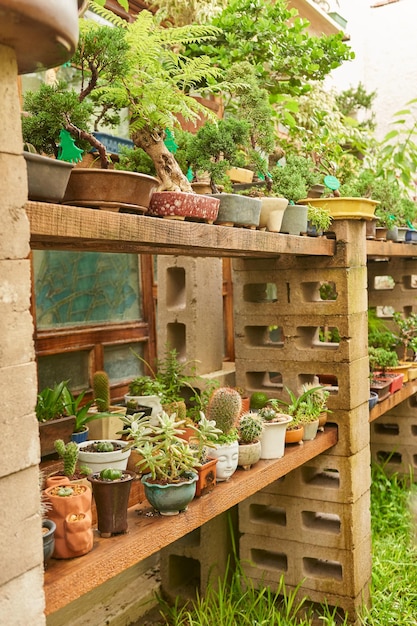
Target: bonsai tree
<point>407,334</point>
<point>293,179</point>
<point>380,359</point>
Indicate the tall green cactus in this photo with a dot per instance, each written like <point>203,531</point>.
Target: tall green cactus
<point>224,407</point>
<point>101,388</point>
<point>69,453</point>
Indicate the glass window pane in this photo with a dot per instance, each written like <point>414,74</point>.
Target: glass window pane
<point>77,288</point>
<point>121,363</point>
<point>71,366</point>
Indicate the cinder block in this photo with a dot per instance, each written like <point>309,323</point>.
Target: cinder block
<point>398,431</point>
<point>328,478</point>
<point>188,564</point>
<point>190,305</point>
<point>353,430</point>
<point>328,524</point>
<point>319,569</point>
<point>14,234</point>
<point>272,375</point>
<point>23,451</point>
<point>300,337</point>
<point>395,459</point>
<point>22,600</point>
<point>11,128</point>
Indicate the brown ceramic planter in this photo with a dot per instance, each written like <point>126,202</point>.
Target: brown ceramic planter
<point>112,190</point>
<point>112,500</point>
<point>177,205</point>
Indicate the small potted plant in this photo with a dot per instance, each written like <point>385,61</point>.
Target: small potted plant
<point>305,407</point>
<point>275,423</point>
<point>83,416</point>
<point>224,408</point>
<point>103,453</point>
<point>72,471</point>
<point>111,490</point>
<point>54,421</point>
<point>170,462</point>
<point>250,429</point>
<point>204,437</point>
<point>109,425</point>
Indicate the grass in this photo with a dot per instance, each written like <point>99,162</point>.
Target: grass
<point>394,577</point>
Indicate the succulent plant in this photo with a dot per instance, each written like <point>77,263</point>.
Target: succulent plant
<point>101,389</point>
<point>224,408</point>
<point>69,453</point>
<point>250,427</point>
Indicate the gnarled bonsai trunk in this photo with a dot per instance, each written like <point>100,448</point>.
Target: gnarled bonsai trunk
<point>167,169</point>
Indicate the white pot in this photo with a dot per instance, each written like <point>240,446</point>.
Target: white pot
<point>272,212</point>
<point>227,455</point>
<point>310,430</point>
<point>97,461</point>
<point>249,454</point>
<point>273,439</point>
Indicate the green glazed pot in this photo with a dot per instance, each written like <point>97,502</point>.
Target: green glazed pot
<point>171,498</point>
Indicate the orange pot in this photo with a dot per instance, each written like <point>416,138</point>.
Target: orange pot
<point>295,435</point>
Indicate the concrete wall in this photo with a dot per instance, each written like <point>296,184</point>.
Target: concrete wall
<point>21,576</point>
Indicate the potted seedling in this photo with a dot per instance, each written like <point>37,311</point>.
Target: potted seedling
<point>275,423</point>
<point>305,407</point>
<point>54,421</point>
<point>72,471</point>
<point>250,429</point>
<point>202,441</point>
<point>170,462</point>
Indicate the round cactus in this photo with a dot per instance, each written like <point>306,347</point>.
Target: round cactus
<point>101,389</point>
<point>224,407</point>
<point>250,427</point>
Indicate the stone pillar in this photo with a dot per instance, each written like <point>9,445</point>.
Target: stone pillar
<point>21,577</point>
<point>313,526</point>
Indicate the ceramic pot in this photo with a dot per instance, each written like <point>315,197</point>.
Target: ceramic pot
<point>171,498</point>
<point>235,210</point>
<point>346,208</point>
<point>47,178</point>
<point>150,401</point>
<point>201,188</point>
<point>295,220</point>
<point>273,438</point>
<point>72,516</point>
<point>81,436</point>
<point>310,430</point>
<point>249,454</point>
<point>381,385</point>
<point>48,537</point>
<point>294,435</point>
<point>411,236</point>
<point>42,34</point>
<point>107,427</point>
<point>206,477</point>
<point>112,190</point>
<point>61,428</point>
<point>227,455</point>
<point>97,461</point>
<point>177,205</point>
<point>240,175</point>
<point>373,399</point>
<point>112,501</point>
<point>397,233</point>
<point>272,213</point>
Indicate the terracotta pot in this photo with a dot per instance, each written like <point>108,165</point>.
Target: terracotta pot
<point>112,500</point>
<point>178,205</point>
<point>206,478</point>
<point>294,435</point>
<point>113,190</point>
<point>72,516</point>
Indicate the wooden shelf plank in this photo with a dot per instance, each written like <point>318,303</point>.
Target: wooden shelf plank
<point>60,227</point>
<point>407,390</point>
<point>382,249</point>
<point>67,580</point>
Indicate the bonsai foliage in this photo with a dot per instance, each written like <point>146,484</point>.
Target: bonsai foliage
<point>381,359</point>
<point>274,40</point>
<point>407,333</point>
<point>156,87</point>
<point>217,146</point>
<point>293,179</point>
<point>101,57</point>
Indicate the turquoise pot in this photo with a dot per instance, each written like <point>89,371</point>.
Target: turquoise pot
<point>171,498</point>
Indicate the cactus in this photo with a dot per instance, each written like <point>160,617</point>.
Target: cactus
<point>101,389</point>
<point>224,408</point>
<point>69,453</point>
<point>250,427</point>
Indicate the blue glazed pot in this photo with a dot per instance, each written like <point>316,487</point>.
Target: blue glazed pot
<point>79,437</point>
<point>171,498</point>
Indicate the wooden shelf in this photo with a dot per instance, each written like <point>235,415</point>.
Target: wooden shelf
<point>407,390</point>
<point>67,580</point>
<point>60,227</point>
<point>388,249</point>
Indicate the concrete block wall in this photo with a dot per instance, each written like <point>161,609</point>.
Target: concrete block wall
<point>394,434</point>
<point>312,526</point>
<point>21,577</point>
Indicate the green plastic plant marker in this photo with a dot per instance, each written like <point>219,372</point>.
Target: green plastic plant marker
<point>332,182</point>
<point>68,151</point>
